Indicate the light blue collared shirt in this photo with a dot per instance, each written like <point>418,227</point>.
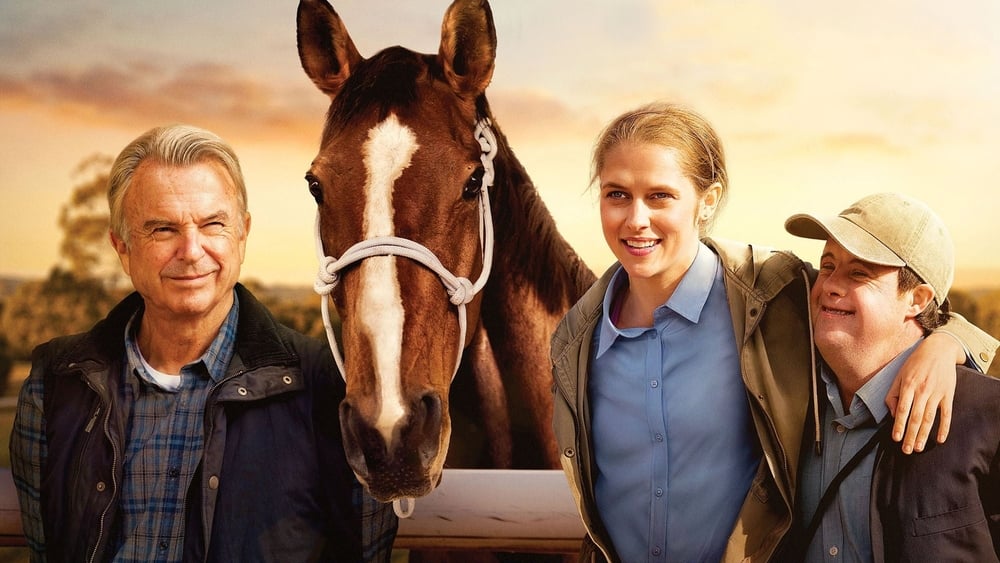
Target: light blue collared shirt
<point>674,442</point>
<point>844,534</point>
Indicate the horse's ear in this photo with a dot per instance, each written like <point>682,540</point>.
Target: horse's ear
<point>325,48</point>
<point>468,46</point>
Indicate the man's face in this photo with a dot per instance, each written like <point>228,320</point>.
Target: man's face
<point>859,315</point>
<point>187,239</point>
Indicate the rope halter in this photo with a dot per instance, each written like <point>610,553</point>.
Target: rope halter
<point>460,290</point>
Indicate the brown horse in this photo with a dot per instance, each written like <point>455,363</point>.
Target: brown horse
<point>442,246</point>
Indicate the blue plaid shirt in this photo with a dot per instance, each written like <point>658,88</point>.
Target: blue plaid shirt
<point>165,446</point>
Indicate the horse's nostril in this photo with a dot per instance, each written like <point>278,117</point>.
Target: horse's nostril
<point>430,410</point>
<point>351,431</point>
<point>346,414</point>
<point>430,413</point>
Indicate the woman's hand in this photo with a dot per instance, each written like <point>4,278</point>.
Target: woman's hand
<point>924,387</point>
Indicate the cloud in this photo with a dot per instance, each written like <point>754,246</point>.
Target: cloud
<point>209,94</point>
<point>864,143</point>
<point>33,31</point>
<point>539,117</point>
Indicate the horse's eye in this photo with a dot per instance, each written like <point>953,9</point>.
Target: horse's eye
<point>315,189</point>
<point>474,184</point>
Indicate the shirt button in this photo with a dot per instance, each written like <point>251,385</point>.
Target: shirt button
<point>173,473</point>
<point>839,428</point>
<point>654,384</point>
<point>659,492</point>
<point>656,551</point>
<point>834,551</point>
<point>659,437</point>
<point>163,546</point>
<point>213,482</point>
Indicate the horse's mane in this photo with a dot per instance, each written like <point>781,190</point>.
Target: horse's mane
<point>538,250</point>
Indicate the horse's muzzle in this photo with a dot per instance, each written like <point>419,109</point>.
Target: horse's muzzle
<point>403,464</point>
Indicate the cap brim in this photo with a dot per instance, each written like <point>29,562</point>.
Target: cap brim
<point>853,238</point>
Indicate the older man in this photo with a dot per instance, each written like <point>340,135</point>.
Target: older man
<point>884,277</point>
<point>188,424</point>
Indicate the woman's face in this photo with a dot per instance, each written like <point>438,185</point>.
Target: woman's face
<point>650,211</point>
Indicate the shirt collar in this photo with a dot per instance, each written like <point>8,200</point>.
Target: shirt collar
<point>692,292</point>
<point>870,397</point>
<point>687,301</point>
<point>215,359</point>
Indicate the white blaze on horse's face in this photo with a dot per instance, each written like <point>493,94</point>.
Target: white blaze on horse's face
<point>387,153</point>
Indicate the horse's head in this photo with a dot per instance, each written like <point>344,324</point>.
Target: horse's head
<point>399,183</point>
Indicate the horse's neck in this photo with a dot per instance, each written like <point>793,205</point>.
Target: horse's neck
<point>530,248</point>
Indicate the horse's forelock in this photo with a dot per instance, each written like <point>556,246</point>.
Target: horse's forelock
<point>379,85</point>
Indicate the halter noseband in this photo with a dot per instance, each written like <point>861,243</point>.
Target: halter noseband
<point>460,290</point>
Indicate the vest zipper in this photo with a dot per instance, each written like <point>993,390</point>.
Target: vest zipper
<point>114,479</point>
<point>93,419</point>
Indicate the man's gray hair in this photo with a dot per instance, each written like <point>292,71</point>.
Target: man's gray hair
<point>171,145</point>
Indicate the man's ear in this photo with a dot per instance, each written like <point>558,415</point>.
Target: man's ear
<point>243,240</point>
<point>920,298</point>
<point>121,248</point>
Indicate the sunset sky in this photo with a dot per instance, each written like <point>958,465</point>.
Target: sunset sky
<point>818,104</point>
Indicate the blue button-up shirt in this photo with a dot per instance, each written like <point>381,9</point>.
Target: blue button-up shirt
<point>843,535</point>
<point>165,445</point>
<point>674,442</point>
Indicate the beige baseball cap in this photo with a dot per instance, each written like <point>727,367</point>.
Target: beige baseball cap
<point>888,229</point>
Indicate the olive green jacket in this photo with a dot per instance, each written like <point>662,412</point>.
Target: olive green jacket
<point>768,297</point>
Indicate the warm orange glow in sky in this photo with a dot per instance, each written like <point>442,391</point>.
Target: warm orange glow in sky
<point>818,104</point>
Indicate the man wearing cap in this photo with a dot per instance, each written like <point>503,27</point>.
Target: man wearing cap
<point>884,276</point>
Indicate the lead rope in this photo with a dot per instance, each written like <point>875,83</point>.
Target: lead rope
<point>460,290</point>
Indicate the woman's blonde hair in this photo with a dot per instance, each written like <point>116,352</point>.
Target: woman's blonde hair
<point>673,126</point>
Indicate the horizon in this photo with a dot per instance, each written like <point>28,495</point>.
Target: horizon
<point>973,281</point>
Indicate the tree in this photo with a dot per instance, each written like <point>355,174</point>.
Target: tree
<point>989,319</point>
<point>76,295</point>
<point>6,359</point>
<point>84,220</point>
<point>965,304</point>
<point>38,311</point>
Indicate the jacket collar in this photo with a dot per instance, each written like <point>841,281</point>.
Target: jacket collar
<point>759,272</point>
<point>258,341</point>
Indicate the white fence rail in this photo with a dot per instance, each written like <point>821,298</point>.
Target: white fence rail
<point>472,509</point>
<point>497,510</point>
